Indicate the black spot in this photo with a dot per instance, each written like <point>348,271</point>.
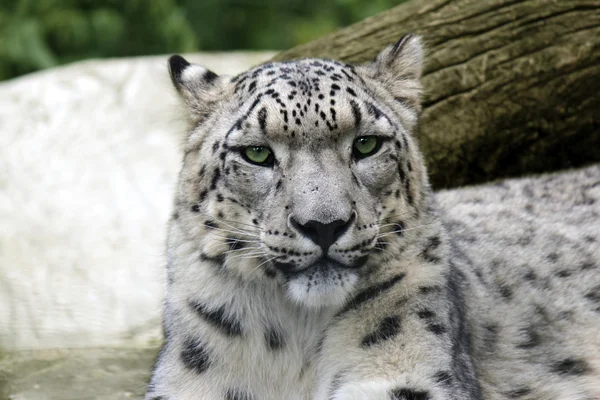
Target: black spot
<point>210,224</point>
<point>262,118</point>
<point>409,196</point>
<point>356,113</point>
<point>399,228</point>
<point>408,394</point>
<point>586,266</point>
<point>286,268</point>
<point>563,273</point>
<point>570,366</point>
<point>443,377</point>
<point>490,336</point>
<point>387,329</point>
<point>195,208</point>
<point>210,76</point>
<point>252,86</point>
<point>438,329</point>
<point>237,394</point>
<point>219,260</point>
<point>336,383</point>
<point>234,244</point>
<point>215,178</point>
<point>359,262</point>
<point>505,291</point>
<point>270,273</point>
<point>381,245</point>
<point>553,257</point>
<point>218,318</point>
<point>195,356</point>
<point>351,79</point>
<point>529,338</point>
<point>426,314</point>
<point>352,92</point>
<point>430,247</point>
<point>371,293</point>
<point>202,195</point>
<point>274,339</point>
<point>594,295</point>
<point>530,275</point>
<point>402,100</point>
<point>517,393</point>
<point>374,111</point>
<point>401,172</point>
<point>429,289</point>
<point>214,149</point>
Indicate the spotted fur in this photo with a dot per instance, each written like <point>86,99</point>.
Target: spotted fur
<point>325,275</point>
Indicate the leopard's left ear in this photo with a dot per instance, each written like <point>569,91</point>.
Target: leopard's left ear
<point>399,68</point>
<point>404,59</point>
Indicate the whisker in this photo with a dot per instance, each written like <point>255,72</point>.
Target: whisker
<point>384,250</point>
<point>402,230</point>
<point>243,249</point>
<point>230,231</point>
<point>241,223</point>
<point>246,256</point>
<point>396,215</point>
<point>238,240</point>
<point>255,229</point>
<point>263,263</point>
<point>386,225</point>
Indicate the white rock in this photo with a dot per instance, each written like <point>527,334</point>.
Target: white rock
<point>88,160</point>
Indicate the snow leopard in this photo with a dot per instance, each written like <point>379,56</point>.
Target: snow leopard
<point>309,259</point>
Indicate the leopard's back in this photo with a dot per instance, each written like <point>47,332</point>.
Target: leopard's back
<point>530,251</point>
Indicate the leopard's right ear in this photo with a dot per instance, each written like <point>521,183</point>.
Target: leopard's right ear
<point>199,87</point>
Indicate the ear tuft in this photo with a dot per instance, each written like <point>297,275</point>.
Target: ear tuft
<point>177,65</point>
<point>404,59</point>
<point>199,87</point>
<point>398,68</point>
<point>397,48</point>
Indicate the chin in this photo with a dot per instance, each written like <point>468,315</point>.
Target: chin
<point>322,287</point>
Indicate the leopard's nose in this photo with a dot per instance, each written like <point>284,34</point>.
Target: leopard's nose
<point>323,234</point>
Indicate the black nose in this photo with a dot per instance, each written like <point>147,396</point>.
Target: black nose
<point>323,234</point>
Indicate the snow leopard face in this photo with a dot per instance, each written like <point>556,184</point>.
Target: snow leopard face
<point>303,171</point>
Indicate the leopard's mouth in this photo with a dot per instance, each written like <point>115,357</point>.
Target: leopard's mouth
<point>324,264</point>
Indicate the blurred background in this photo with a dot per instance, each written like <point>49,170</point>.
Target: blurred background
<point>38,34</point>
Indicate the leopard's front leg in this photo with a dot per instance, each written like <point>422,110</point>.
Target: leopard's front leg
<point>399,339</point>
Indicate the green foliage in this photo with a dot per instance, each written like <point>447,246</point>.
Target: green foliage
<point>37,34</point>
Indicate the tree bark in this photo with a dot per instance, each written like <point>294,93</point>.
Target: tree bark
<point>511,86</point>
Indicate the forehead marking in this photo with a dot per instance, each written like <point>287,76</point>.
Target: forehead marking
<point>304,77</point>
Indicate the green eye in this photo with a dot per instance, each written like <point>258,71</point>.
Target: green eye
<point>364,146</point>
<point>261,155</point>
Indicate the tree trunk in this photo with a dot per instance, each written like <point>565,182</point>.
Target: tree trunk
<point>512,87</point>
